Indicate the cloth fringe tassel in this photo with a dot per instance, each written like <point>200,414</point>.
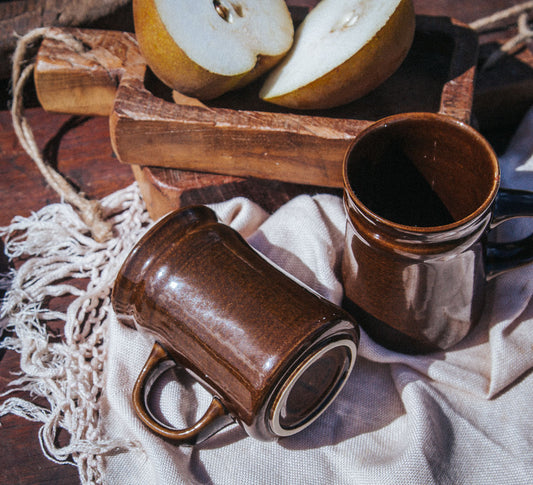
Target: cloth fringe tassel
<point>57,249</point>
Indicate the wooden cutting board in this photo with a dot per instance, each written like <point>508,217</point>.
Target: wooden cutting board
<point>237,142</point>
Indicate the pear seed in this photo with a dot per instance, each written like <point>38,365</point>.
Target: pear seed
<point>222,10</point>
<point>349,19</point>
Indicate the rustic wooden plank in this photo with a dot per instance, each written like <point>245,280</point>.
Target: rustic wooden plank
<point>80,73</point>
<point>230,137</point>
<point>22,460</point>
<point>449,57</point>
<point>18,17</point>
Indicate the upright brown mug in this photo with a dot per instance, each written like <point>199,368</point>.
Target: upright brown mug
<point>421,193</point>
<point>273,353</point>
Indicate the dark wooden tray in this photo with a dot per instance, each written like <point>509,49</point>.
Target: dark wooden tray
<point>437,76</point>
<point>238,142</point>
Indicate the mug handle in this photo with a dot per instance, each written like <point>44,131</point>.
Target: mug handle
<point>505,256</point>
<point>215,418</point>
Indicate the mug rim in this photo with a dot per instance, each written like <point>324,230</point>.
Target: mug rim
<point>422,116</point>
<point>341,378</point>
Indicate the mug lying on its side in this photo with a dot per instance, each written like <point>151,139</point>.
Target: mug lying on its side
<point>273,353</point>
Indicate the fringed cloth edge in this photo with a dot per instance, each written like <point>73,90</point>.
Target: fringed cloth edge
<point>56,249</point>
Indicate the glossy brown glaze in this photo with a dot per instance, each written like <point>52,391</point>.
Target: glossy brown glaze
<point>214,419</point>
<point>415,269</point>
<point>222,311</point>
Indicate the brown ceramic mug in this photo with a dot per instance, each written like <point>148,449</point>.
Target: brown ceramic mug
<point>421,195</point>
<point>272,353</point>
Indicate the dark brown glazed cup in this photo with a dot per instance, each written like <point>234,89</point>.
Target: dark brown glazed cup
<point>421,194</point>
<point>273,353</point>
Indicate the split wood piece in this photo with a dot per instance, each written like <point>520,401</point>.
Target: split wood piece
<point>236,134</point>
<point>165,189</point>
<point>19,17</point>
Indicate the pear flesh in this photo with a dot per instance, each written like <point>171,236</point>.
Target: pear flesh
<point>203,48</point>
<point>342,50</point>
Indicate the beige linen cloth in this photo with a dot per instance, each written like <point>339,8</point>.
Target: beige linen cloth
<point>464,416</point>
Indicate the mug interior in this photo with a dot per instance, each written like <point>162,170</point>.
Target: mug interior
<point>421,170</point>
<point>312,387</point>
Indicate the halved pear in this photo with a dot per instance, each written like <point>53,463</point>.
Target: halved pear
<point>203,48</point>
<point>342,50</point>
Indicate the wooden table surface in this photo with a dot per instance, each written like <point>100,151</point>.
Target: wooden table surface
<point>81,149</point>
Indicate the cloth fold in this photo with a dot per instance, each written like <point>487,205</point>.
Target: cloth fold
<point>460,416</point>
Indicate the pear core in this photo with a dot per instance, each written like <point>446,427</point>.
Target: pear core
<point>226,37</point>
<point>341,51</point>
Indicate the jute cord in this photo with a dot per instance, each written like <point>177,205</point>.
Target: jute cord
<point>518,14</point>
<point>90,210</point>
<point>81,239</point>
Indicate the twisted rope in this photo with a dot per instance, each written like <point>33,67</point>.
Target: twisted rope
<point>520,14</point>
<point>90,210</point>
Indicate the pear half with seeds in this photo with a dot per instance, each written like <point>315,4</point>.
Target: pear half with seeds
<point>342,50</point>
<point>203,48</point>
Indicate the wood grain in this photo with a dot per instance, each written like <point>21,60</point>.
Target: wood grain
<point>80,148</point>
<point>18,17</point>
<point>447,52</point>
<point>237,134</point>
<point>79,71</point>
